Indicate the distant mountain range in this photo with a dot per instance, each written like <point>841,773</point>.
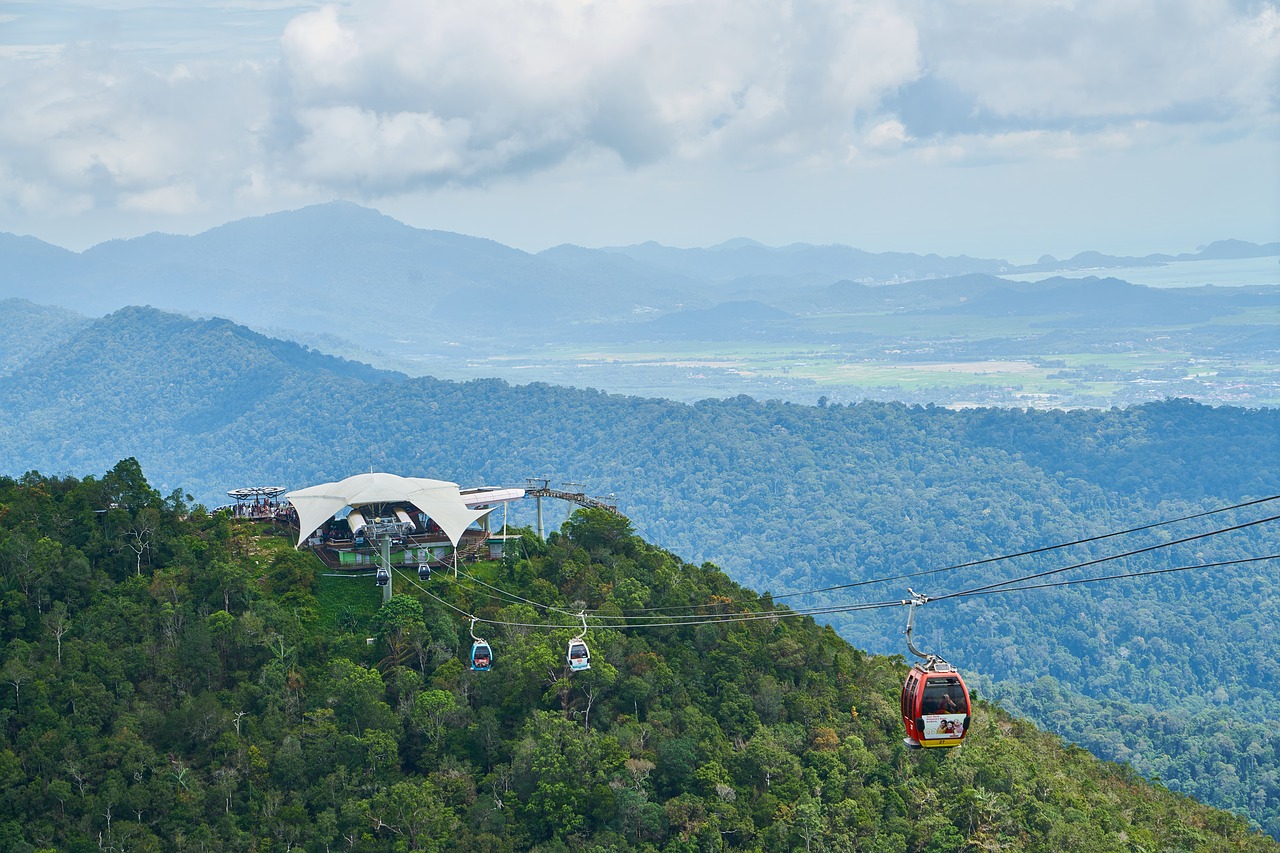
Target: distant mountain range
<point>351,281</point>
<point>301,269</point>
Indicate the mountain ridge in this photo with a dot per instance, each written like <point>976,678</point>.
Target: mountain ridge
<point>226,690</point>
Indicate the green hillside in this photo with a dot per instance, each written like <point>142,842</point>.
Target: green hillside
<point>182,682</point>
<point>785,498</point>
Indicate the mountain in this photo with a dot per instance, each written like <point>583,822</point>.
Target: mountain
<point>432,302</point>
<point>31,330</point>
<point>1231,250</point>
<point>741,259</point>
<point>1216,251</point>
<point>1108,302</point>
<point>182,680</point>
<point>303,269</point>
<point>788,498</point>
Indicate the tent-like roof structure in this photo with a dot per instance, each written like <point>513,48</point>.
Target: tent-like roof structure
<point>438,499</point>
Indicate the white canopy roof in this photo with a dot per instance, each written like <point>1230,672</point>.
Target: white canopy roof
<point>438,499</point>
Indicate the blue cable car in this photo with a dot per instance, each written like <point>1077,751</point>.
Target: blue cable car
<point>382,577</point>
<point>424,572</point>
<point>481,654</point>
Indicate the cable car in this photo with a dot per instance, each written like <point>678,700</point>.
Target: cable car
<point>481,654</point>
<point>382,577</point>
<point>424,572</point>
<point>578,656</point>
<point>935,705</point>
<point>935,700</point>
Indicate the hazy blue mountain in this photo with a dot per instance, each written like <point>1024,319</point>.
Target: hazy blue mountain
<point>26,263</point>
<point>1105,302</point>
<point>343,269</point>
<point>1096,260</point>
<point>1219,250</point>
<point>850,296</point>
<point>447,304</point>
<point>666,289</point>
<point>743,258</point>
<point>30,330</point>
<point>1230,249</point>
<point>303,269</point>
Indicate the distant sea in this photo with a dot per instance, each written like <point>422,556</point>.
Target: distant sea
<point>1235,273</point>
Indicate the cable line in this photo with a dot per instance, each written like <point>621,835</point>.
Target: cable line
<point>1157,546</point>
<point>787,613</point>
<point>1034,551</point>
<point>1116,577</point>
<point>985,560</point>
<point>630,622</point>
<point>1145,550</point>
<point>519,598</point>
<point>414,582</point>
<point>624,621</point>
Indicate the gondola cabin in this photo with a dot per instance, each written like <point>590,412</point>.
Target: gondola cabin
<point>382,577</point>
<point>578,656</point>
<point>424,572</point>
<point>481,656</point>
<point>935,706</point>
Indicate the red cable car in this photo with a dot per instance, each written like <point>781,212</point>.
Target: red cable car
<point>935,700</point>
<point>935,705</point>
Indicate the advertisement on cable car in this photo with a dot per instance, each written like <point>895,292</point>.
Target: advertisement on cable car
<point>943,726</point>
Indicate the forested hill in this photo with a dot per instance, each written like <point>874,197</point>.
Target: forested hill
<point>181,681</point>
<point>785,498</point>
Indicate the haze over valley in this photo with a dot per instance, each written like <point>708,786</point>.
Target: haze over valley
<point>798,323</point>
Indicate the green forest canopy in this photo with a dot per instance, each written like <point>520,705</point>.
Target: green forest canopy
<point>176,680</point>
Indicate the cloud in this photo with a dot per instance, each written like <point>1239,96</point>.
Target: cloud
<point>524,83</point>
<point>386,97</point>
<point>92,129</point>
<point>1094,61</point>
<point>887,135</point>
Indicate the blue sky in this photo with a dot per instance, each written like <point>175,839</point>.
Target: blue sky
<point>999,128</point>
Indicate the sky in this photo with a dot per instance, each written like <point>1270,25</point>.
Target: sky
<point>993,128</point>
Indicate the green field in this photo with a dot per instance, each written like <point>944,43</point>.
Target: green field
<point>950,358</point>
<point>804,374</point>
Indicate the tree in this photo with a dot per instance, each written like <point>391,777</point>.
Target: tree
<point>431,708</point>
<point>598,528</point>
<point>139,533</point>
<point>397,622</point>
<point>412,813</point>
<point>58,623</point>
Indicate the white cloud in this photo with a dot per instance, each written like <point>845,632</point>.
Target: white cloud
<point>756,83</point>
<point>887,135</point>
<point>1104,59</point>
<point>387,98</point>
<point>88,123</point>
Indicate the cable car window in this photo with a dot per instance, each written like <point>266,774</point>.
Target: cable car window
<point>944,696</point>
